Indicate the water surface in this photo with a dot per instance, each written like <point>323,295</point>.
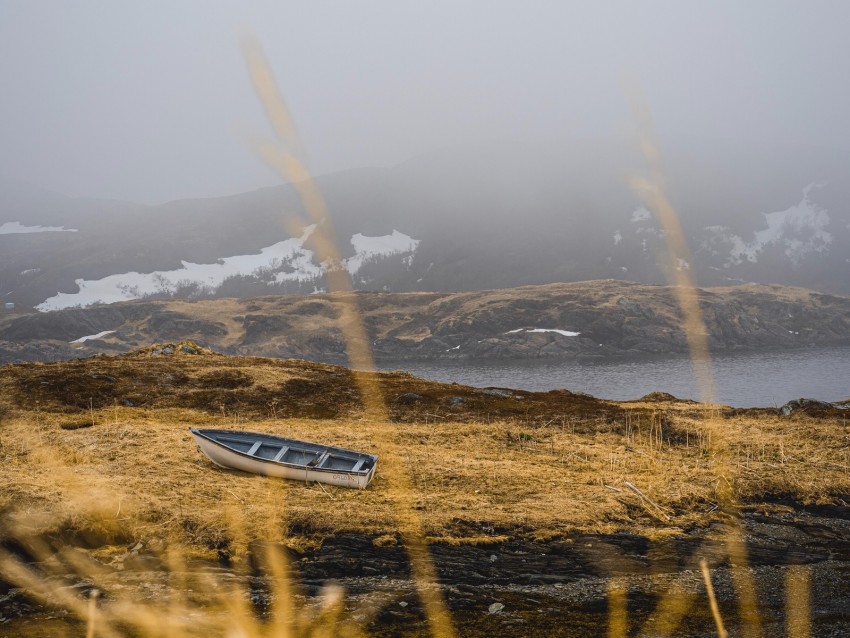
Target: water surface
<point>764,379</point>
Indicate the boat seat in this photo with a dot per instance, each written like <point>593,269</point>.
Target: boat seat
<point>279,456</point>
<point>254,448</point>
<point>358,465</point>
<point>323,459</point>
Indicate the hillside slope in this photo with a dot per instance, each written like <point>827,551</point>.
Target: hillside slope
<point>579,320</point>
<point>466,218</point>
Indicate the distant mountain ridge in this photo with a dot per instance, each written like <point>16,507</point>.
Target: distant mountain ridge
<point>585,320</point>
<point>471,218</point>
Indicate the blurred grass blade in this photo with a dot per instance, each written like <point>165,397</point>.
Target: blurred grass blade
<point>798,601</point>
<point>712,599</point>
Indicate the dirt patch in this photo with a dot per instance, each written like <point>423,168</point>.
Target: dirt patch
<point>76,425</point>
<point>230,379</point>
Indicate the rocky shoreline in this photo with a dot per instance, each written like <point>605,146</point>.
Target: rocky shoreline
<point>556,587</point>
<point>773,539</point>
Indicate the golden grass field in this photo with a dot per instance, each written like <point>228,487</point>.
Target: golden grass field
<point>81,469</point>
<point>533,471</point>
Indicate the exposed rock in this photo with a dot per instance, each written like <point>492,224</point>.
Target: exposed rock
<point>804,536</point>
<point>501,392</point>
<point>812,407</point>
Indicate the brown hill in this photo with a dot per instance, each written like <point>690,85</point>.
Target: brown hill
<point>184,375</point>
<point>612,318</point>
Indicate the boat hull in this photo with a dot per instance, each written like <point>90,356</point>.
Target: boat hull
<point>227,457</point>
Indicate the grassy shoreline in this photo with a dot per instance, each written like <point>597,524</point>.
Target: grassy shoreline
<point>503,462</point>
<point>105,490</point>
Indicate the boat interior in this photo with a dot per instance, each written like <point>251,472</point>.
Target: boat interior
<point>278,452</point>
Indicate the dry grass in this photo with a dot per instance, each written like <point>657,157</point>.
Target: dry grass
<point>114,474</point>
<point>86,481</point>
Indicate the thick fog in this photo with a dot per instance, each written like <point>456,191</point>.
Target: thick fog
<point>150,101</point>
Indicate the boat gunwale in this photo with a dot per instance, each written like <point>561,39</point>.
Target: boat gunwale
<point>201,432</point>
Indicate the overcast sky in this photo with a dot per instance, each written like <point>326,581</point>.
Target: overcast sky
<point>150,101</point>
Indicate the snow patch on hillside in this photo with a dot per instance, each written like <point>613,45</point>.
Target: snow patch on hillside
<point>566,333</point>
<point>17,228</point>
<point>799,229</point>
<point>289,254</point>
<point>99,335</point>
<point>285,261</point>
<point>641,214</point>
<point>368,249</point>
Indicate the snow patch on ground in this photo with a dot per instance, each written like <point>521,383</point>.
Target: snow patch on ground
<point>566,333</point>
<point>285,261</point>
<point>371,248</point>
<point>641,214</point>
<point>289,253</point>
<point>618,237</point>
<point>99,335</point>
<point>800,230</point>
<point>17,228</point>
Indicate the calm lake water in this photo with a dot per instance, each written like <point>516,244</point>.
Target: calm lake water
<point>742,380</point>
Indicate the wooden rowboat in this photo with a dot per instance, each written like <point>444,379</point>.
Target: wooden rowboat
<point>276,456</point>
